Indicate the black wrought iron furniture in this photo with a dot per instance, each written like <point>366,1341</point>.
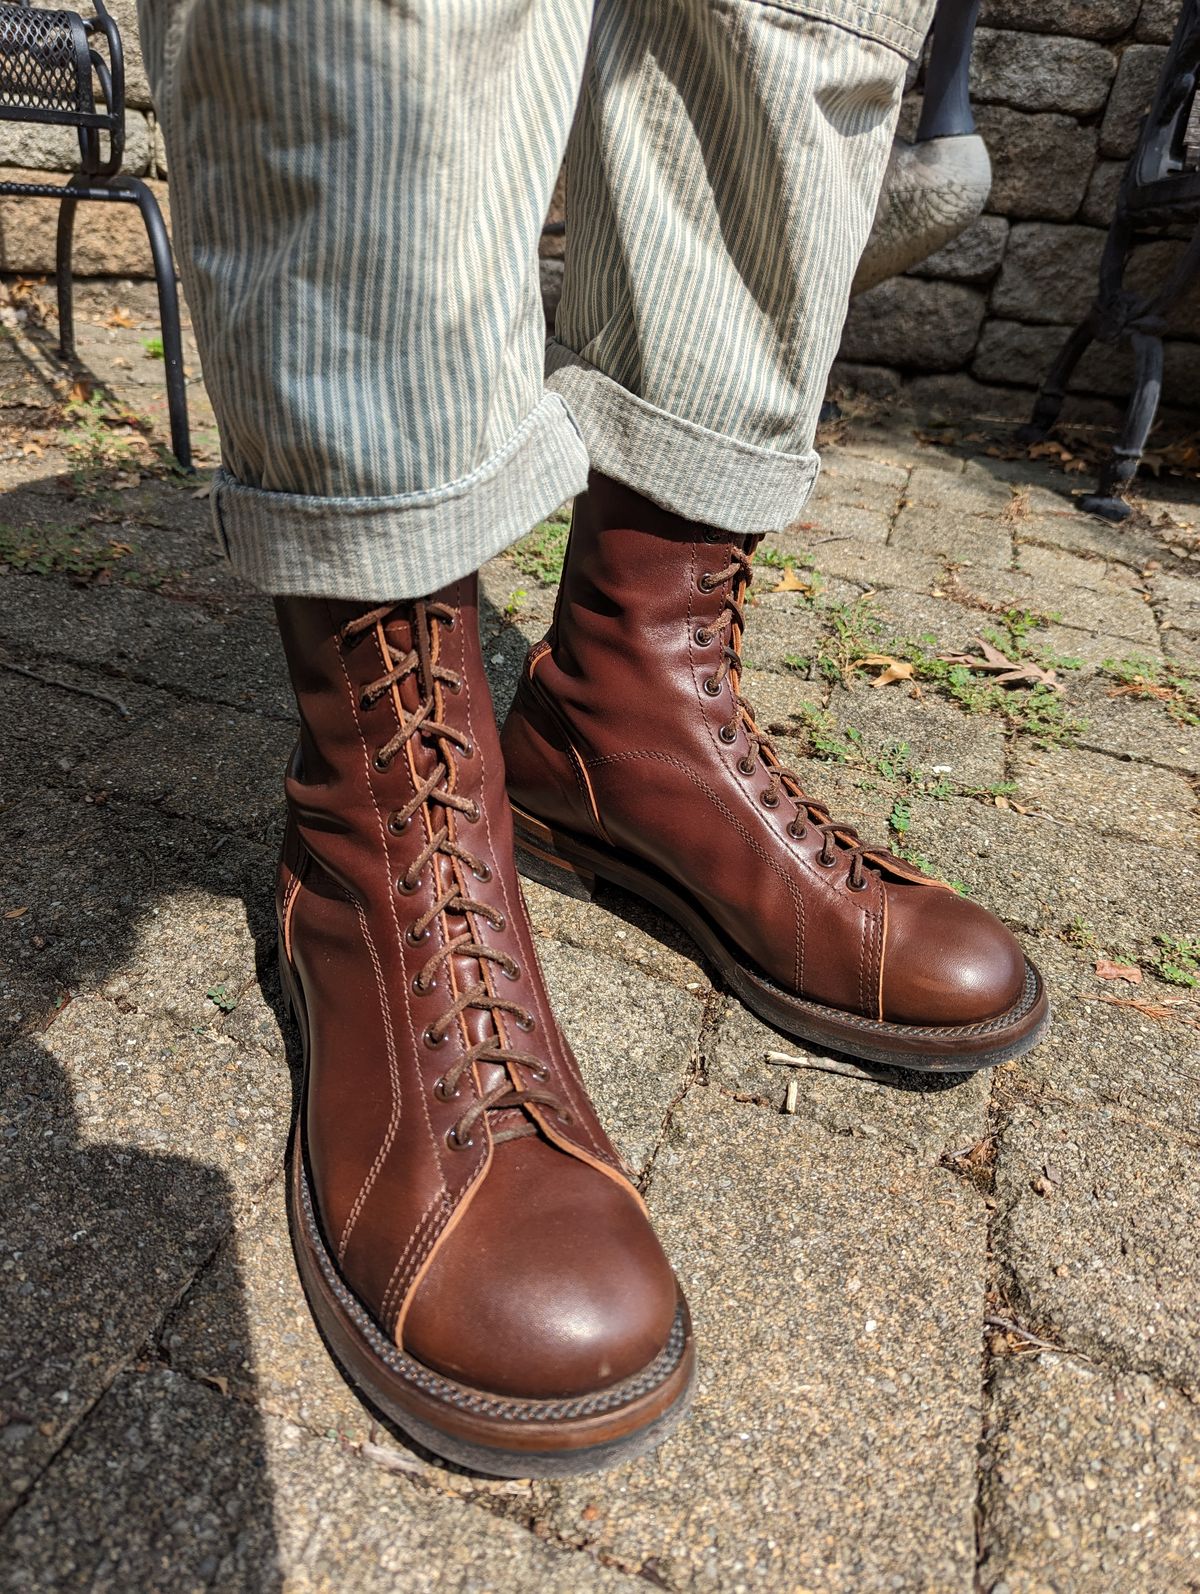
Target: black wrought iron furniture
<point>68,70</point>
<point>1159,196</point>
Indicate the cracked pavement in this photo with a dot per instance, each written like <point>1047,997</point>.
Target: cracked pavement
<point>948,1330</point>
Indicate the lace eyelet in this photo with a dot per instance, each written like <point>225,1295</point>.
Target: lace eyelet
<point>443,1092</point>
<point>746,766</point>
<point>381,764</point>
<point>499,922</point>
<point>451,622</point>
<point>396,825</point>
<point>467,752</point>
<point>366,703</point>
<point>454,687</point>
<point>471,815</point>
<point>525,1022</point>
<point>432,1039</point>
<point>484,874</point>
<point>826,863</point>
<point>769,801</point>
<point>512,972</point>
<point>861,886</point>
<point>797,832</point>
<point>415,939</point>
<point>455,1143</point>
<point>703,637</point>
<point>727,734</point>
<point>705,583</point>
<point>713,688</point>
<point>565,1117</point>
<point>405,888</point>
<point>541,1075</point>
<point>423,987</point>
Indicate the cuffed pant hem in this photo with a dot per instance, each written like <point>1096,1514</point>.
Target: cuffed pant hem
<point>687,469</point>
<point>374,549</point>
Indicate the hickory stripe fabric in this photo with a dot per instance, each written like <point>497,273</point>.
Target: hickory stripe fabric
<point>358,188</point>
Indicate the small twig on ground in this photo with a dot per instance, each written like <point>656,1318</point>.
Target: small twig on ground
<point>66,686</point>
<point>823,1065</point>
<point>1015,1328</point>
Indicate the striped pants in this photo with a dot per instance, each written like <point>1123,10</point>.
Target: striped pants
<point>358,188</point>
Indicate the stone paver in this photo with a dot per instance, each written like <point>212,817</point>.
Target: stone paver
<point>1092,1484</point>
<point>168,1415</point>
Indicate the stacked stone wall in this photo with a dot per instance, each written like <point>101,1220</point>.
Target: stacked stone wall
<point>1059,90</point>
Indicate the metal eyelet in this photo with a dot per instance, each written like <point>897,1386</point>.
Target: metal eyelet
<point>484,873</point>
<point>525,1022</point>
<point>769,801</point>
<point>396,825</point>
<point>471,815</point>
<point>381,764</point>
<point>467,752</point>
<point>405,889</point>
<point>415,939</point>
<point>826,863</point>
<point>499,922</point>
<point>705,583</point>
<point>713,688</point>
<point>540,1074</point>
<point>423,987</point>
<point>365,703</point>
<point>797,832</point>
<point>746,766</point>
<point>443,1092</point>
<point>451,622</point>
<point>861,886</point>
<point>511,973</point>
<point>727,734</point>
<point>431,1039</point>
<point>703,637</point>
<point>453,686</point>
<point>456,1144</point>
<point>565,1117</point>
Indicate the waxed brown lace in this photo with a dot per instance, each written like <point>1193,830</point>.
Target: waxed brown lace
<point>442,804</point>
<point>837,839</point>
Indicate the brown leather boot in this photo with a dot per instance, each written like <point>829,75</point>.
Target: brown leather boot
<point>632,756</point>
<point>471,1244</point>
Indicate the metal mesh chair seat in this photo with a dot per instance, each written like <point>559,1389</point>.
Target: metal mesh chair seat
<point>46,68</point>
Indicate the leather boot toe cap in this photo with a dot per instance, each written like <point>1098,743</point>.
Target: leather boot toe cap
<point>551,1285</point>
<point>946,960</point>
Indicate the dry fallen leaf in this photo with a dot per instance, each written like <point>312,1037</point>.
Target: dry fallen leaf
<point>15,913</point>
<point>1107,970</point>
<point>791,582</point>
<point>1156,1010</point>
<point>1007,672</point>
<point>119,317</point>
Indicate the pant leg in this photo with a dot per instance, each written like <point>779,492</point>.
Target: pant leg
<point>722,176</point>
<point>357,192</point>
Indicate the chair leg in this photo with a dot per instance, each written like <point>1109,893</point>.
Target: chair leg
<point>168,311</point>
<point>1121,468</point>
<point>1053,390</point>
<point>63,271</point>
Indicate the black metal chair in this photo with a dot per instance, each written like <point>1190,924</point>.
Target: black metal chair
<point>1159,197</point>
<point>52,72</point>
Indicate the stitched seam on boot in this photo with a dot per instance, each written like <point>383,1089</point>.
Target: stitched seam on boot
<point>693,586</point>
<point>393,1075</point>
<point>580,1117</point>
<point>389,1306</point>
<point>390,893</point>
<point>575,759</point>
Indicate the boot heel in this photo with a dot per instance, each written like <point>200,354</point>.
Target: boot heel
<point>570,879</point>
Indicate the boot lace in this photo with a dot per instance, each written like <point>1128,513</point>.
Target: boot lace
<point>837,840</point>
<point>444,809</point>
